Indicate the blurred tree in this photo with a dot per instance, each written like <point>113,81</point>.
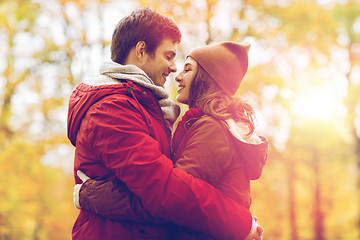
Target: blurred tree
<point>348,38</point>
<point>27,131</point>
<point>306,34</point>
<point>47,49</point>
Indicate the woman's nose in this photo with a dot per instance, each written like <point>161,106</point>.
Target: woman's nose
<point>178,77</point>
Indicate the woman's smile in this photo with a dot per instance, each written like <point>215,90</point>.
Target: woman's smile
<point>180,87</point>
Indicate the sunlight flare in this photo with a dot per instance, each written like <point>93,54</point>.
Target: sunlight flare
<point>316,103</point>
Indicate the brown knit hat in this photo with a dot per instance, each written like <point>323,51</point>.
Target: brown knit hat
<point>225,62</point>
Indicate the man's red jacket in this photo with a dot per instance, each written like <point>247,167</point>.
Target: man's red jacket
<point>118,131</point>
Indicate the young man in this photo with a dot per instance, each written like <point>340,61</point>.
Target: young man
<point>120,125</point>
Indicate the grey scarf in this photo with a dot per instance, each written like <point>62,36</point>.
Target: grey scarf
<point>111,71</point>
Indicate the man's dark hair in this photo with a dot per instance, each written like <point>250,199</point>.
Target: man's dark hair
<point>145,25</point>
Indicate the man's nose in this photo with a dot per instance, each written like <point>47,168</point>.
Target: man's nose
<point>173,67</point>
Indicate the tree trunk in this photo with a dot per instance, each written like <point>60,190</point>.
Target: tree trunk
<point>291,198</point>
<point>351,107</point>
<point>357,142</point>
<point>318,214</point>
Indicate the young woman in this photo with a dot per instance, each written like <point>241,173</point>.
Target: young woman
<point>214,141</point>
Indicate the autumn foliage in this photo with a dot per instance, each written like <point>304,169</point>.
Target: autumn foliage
<point>303,81</point>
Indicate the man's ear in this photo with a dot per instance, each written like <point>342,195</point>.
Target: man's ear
<point>140,49</point>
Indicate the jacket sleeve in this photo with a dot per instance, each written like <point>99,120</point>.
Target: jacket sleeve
<point>207,151</point>
<point>113,200</point>
<point>127,149</point>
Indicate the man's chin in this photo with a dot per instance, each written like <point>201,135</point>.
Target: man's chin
<point>161,85</point>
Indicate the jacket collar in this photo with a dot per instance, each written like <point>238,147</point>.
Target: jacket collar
<point>114,73</point>
<point>133,73</point>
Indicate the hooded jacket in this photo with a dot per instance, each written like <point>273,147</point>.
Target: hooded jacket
<point>217,152</point>
<point>118,131</point>
<point>220,153</point>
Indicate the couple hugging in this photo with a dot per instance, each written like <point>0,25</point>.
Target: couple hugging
<point>136,179</point>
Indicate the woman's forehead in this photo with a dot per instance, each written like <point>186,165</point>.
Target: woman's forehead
<point>190,61</point>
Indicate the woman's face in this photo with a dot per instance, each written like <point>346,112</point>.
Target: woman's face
<point>184,78</point>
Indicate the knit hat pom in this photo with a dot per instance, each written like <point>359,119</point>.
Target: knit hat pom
<point>225,62</point>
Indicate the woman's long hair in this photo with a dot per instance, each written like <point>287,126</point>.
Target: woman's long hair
<point>207,95</point>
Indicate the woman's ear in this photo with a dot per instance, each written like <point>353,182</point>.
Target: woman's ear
<point>140,50</point>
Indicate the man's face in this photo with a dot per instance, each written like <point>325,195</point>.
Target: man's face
<point>161,64</point>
